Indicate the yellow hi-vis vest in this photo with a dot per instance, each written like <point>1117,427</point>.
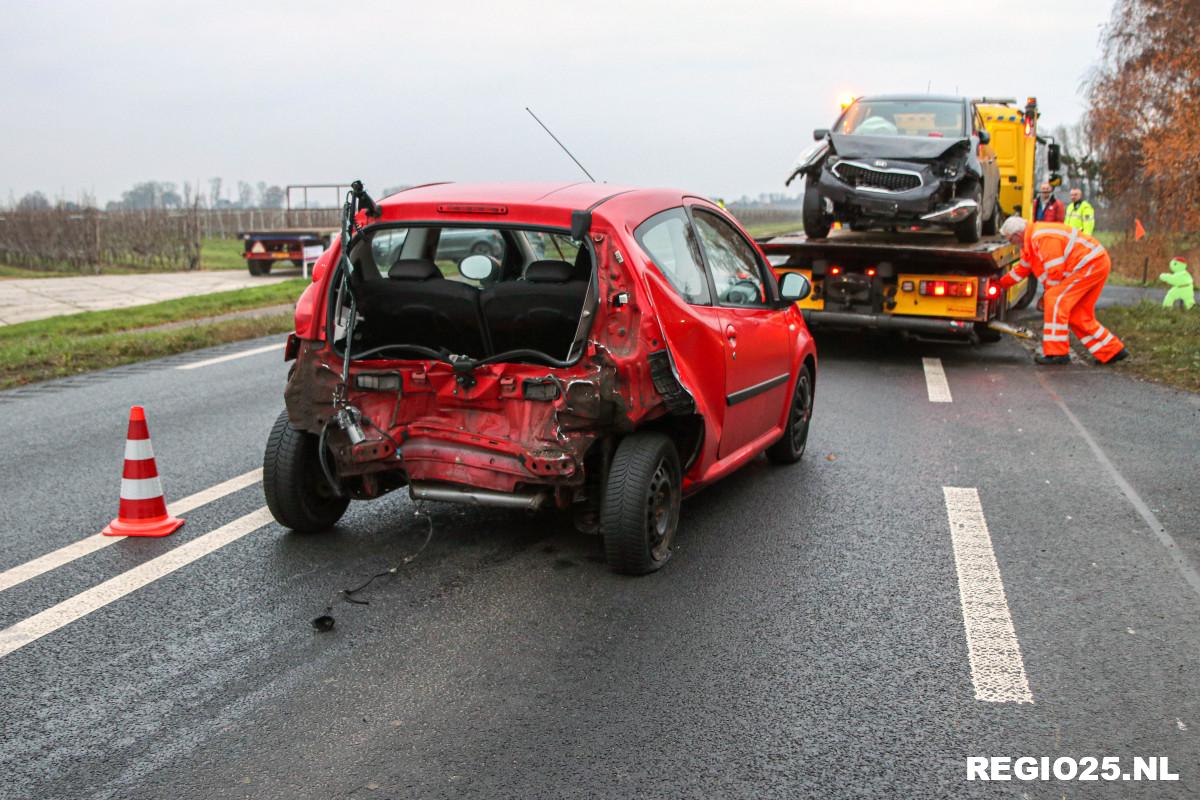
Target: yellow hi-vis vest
<point>1081,216</point>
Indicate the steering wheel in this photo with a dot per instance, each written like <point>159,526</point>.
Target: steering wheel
<point>743,292</point>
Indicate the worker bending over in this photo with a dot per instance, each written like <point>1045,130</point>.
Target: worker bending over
<point>1073,268</point>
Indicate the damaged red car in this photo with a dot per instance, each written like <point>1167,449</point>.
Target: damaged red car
<point>613,350</point>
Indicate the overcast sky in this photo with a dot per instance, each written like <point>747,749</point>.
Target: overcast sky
<point>717,98</point>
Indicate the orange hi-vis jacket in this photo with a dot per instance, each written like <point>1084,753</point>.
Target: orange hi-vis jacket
<point>1053,251</point>
<point>1073,268</point>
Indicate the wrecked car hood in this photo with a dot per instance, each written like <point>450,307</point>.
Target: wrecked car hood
<point>900,147</point>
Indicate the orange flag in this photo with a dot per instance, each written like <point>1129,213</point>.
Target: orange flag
<point>1139,232</point>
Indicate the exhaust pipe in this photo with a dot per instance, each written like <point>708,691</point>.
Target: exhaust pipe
<point>952,213</point>
<point>443,493</point>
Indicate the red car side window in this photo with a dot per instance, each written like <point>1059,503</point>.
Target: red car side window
<point>668,239</point>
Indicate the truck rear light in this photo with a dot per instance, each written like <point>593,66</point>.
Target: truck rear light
<point>871,272</point>
<point>993,290</point>
<point>835,270</point>
<point>948,288</point>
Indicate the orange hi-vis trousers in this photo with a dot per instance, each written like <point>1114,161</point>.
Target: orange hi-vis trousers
<point>1071,308</point>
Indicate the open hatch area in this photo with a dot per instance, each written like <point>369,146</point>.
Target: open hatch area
<point>473,292</point>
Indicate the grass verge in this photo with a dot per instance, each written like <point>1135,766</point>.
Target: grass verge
<point>774,228</point>
<point>92,323</point>
<point>59,346</point>
<point>222,254</point>
<point>1164,342</point>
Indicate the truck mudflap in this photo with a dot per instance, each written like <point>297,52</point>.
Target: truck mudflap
<point>931,326</point>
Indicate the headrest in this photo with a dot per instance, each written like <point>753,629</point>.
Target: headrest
<point>414,269</point>
<point>549,272</point>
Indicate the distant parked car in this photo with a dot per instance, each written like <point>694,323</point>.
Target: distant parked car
<point>902,161</point>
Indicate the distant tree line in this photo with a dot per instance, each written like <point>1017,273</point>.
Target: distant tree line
<point>165,195</point>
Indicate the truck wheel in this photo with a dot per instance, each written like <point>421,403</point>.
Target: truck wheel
<point>640,511</point>
<point>816,224</point>
<point>1030,293</point>
<point>296,490</point>
<point>260,267</point>
<point>971,228</point>
<point>790,446</point>
<point>986,334</point>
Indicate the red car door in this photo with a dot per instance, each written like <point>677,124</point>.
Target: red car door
<point>682,297</point>
<point>757,337</point>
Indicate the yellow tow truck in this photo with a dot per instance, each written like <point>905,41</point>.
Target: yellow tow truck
<point>920,282</point>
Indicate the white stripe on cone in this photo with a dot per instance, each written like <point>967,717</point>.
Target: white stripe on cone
<point>138,450</point>
<point>141,488</point>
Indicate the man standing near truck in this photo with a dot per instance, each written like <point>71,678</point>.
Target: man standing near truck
<point>1073,267</point>
<point>1047,207</point>
<point>1080,214</point>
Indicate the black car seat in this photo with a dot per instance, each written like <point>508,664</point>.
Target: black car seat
<point>542,310</point>
<point>417,305</point>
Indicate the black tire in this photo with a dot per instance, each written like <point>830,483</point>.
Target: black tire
<point>991,225</point>
<point>790,447</point>
<point>816,224</point>
<point>296,490</point>
<point>639,515</point>
<point>971,229</point>
<point>1030,293</point>
<point>986,335</point>
<point>259,267</point>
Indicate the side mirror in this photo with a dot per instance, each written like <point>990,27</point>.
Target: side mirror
<point>985,137</point>
<point>477,267</point>
<point>820,133</point>
<point>1054,157</point>
<point>794,286</point>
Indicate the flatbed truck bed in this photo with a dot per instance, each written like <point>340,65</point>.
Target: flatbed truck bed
<point>918,282</point>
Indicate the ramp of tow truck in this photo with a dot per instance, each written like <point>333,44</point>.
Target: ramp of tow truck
<point>915,250</point>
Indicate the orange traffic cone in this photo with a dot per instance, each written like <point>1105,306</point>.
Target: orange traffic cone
<point>143,511</point>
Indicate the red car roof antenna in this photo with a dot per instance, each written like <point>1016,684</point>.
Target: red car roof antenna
<point>560,144</point>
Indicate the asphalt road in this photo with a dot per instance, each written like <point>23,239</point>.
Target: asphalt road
<point>810,638</point>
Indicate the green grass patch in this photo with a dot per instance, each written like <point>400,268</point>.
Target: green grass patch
<point>222,254</point>
<point>51,348</point>
<point>1164,343</point>
<point>21,272</point>
<point>774,228</point>
<point>37,359</point>
<point>93,323</point>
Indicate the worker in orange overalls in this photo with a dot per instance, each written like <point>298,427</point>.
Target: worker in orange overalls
<point>1073,268</point>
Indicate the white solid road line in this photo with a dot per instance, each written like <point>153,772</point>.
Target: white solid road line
<point>997,669</point>
<point>208,362</point>
<point>65,555</point>
<point>935,381</point>
<point>84,603</point>
<point>1186,570</point>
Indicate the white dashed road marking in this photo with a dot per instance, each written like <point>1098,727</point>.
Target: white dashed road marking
<point>208,362</point>
<point>935,381</point>
<point>73,608</point>
<point>65,555</point>
<point>997,668</point>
